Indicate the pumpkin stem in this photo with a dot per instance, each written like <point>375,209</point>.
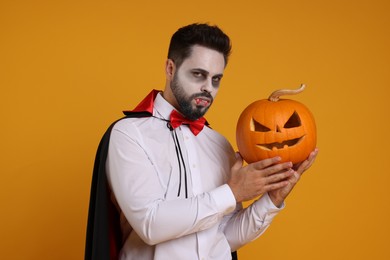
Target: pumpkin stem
<point>274,97</point>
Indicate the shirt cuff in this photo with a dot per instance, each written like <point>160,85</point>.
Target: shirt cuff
<point>224,199</point>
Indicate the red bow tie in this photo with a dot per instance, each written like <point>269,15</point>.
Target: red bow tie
<point>195,126</point>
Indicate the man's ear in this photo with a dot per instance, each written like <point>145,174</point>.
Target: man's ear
<point>170,69</point>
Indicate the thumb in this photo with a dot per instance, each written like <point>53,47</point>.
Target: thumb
<point>239,162</point>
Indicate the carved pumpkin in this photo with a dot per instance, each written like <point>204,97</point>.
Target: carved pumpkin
<point>276,127</point>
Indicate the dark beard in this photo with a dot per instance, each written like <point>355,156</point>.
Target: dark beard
<point>185,106</point>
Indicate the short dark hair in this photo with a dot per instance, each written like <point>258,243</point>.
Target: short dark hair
<point>204,35</point>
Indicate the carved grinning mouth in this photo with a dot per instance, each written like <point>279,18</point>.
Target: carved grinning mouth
<point>276,145</point>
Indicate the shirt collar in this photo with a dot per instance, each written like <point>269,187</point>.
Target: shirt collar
<point>162,108</point>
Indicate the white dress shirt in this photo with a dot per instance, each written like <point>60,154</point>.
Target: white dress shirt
<point>157,222</point>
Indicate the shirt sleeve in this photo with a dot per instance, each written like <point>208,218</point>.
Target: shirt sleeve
<point>140,195</point>
<point>245,225</point>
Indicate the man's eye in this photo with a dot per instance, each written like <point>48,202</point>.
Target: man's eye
<point>197,74</point>
<point>217,79</point>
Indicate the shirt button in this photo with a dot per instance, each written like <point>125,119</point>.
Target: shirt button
<point>194,166</point>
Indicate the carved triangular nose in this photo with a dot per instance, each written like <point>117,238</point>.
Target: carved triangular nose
<point>278,129</point>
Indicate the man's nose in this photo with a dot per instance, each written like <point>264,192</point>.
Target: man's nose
<point>207,86</point>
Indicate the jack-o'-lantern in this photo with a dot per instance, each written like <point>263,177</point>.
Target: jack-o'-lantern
<point>276,127</point>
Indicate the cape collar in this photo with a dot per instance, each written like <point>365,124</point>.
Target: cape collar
<point>146,105</point>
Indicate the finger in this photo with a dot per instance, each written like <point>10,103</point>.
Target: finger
<point>276,186</point>
<point>279,176</point>
<point>307,163</point>
<point>310,162</point>
<point>265,163</point>
<point>313,155</point>
<point>277,168</point>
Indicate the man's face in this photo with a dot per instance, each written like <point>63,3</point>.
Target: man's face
<point>196,82</point>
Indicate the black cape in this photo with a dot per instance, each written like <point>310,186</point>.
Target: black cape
<point>104,237</point>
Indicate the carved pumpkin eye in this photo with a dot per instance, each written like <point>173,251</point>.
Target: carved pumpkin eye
<point>256,126</point>
<point>293,121</point>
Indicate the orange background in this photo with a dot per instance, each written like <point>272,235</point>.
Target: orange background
<point>68,69</point>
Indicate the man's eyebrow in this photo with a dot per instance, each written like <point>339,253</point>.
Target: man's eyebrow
<point>218,75</point>
<point>201,71</point>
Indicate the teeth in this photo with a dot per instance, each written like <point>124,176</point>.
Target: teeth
<point>199,100</point>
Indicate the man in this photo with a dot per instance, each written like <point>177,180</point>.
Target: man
<point>178,187</point>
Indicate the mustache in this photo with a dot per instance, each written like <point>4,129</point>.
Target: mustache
<point>204,94</point>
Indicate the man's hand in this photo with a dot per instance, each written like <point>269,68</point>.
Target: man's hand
<point>279,195</point>
<point>260,177</point>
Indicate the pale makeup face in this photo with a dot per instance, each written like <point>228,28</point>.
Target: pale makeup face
<point>193,86</point>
